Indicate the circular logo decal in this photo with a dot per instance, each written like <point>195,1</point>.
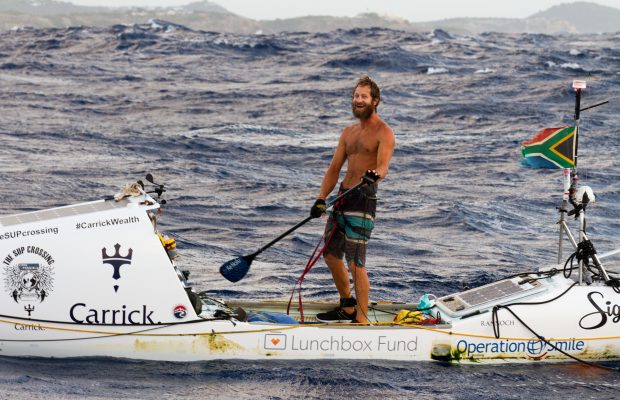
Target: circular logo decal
<point>180,311</point>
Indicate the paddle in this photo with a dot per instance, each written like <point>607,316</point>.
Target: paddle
<point>235,270</point>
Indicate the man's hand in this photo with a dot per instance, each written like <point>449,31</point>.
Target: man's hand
<point>318,208</point>
<point>371,176</point>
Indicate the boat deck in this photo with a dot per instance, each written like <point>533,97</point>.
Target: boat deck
<point>380,313</point>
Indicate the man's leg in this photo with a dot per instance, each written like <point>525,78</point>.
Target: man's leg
<point>362,288</point>
<point>341,278</point>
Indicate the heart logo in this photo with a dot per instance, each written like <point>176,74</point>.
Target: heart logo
<point>275,342</point>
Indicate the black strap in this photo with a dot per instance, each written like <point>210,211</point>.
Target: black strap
<point>350,302</point>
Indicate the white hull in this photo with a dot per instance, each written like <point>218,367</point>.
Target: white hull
<point>464,340</point>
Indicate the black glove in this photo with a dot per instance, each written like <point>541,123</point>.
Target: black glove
<point>318,208</point>
<point>371,176</point>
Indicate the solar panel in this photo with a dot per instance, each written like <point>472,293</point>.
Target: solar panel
<point>472,300</point>
<point>53,213</point>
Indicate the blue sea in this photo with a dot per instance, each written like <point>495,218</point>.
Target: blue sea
<point>241,129</point>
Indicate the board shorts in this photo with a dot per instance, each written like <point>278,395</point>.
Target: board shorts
<point>350,224</point>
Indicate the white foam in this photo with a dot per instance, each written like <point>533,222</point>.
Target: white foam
<point>570,66</point>
<point>433,70</point>
<point>485,71</point>
<point>155,25</point>
<point>574,52</point>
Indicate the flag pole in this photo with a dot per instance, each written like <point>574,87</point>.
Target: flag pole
<point>578,85</point>
<point>570,178</point>
<point>566,178</point>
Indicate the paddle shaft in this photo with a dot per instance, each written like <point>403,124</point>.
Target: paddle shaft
<point>282,236</point>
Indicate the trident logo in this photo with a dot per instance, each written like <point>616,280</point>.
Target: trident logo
<point>29,309</point>
<point>116,261</point>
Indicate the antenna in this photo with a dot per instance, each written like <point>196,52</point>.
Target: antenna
<point>578,85</point>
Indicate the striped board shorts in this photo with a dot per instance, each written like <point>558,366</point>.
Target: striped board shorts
<point>350,224</point>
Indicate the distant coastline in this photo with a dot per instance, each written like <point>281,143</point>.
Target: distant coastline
<point>579,17</point>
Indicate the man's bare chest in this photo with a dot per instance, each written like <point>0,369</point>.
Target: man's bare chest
<point>361,143</point>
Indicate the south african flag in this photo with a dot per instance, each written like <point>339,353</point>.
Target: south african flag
<point>551,148</point>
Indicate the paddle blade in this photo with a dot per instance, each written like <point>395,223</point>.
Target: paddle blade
<point>235,270</point>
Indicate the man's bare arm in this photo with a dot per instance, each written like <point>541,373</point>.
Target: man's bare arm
<point>333,171</point>
<point>385,151</point>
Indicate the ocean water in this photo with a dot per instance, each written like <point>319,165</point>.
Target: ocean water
<point>241,129</point>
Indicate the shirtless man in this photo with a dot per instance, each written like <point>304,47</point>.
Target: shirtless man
<point>367,147</point>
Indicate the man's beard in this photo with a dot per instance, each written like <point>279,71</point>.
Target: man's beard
<point>364,113</point>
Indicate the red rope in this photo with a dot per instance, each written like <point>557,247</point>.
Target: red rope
<point>311,262</point>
